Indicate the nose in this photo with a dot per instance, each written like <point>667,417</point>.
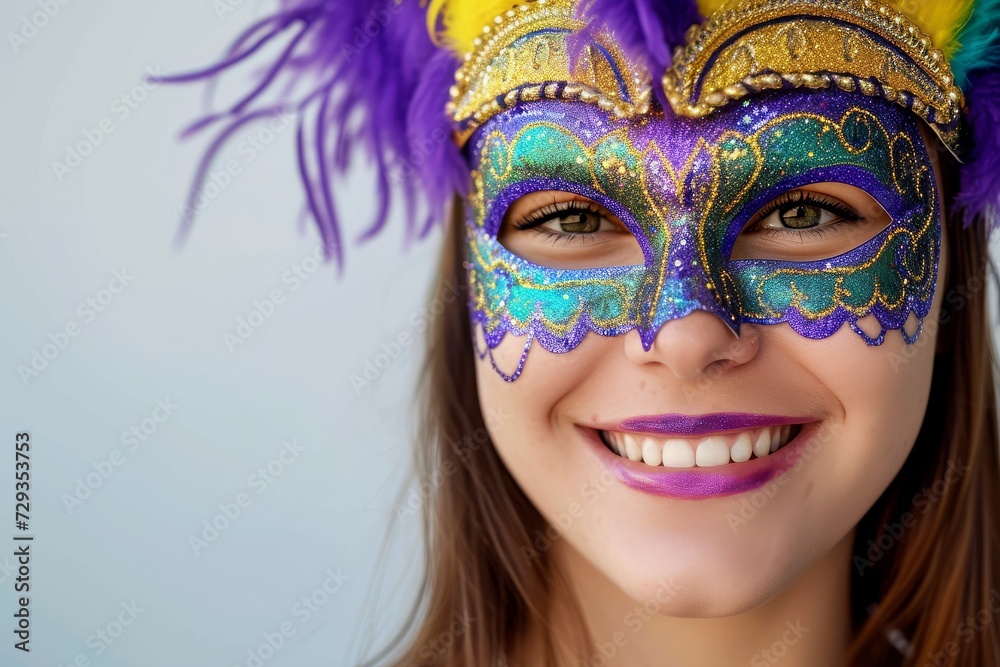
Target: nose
<point>692,344</point>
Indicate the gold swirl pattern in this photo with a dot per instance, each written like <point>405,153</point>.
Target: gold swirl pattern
<point>688,197</point>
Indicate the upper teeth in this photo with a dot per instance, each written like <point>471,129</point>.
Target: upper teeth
<point>712,450</point>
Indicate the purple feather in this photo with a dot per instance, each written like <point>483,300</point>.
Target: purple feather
<point>370,79</point>
<point>979,191</point>
<point>647,31</point>
<point>435,153</point>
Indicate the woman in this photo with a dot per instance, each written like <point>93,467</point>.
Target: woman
<point>726,316</point>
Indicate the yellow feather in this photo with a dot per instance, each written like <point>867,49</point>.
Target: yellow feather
<point>708,7</point>
<point>942,20</point>
<point>457,22</point>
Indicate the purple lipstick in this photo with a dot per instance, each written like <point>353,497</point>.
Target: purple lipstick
<point>701,456</point>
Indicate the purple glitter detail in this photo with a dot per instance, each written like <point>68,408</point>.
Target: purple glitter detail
<point>520,364</point>
<point>662,180</point>
<point>537,329</point>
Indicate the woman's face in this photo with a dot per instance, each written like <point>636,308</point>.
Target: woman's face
<point>664,447</point>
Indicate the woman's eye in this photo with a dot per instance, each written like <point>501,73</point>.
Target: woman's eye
<point>566,219</point>
<point>802,216</point>
<point>802,210</point>
<point>578,222</point>
<point>806,224</point>
<point>563,230</point>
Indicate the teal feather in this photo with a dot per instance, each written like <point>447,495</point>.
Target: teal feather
<point>979,42</point>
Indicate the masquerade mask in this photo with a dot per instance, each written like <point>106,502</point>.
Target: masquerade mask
<point>686,189</point>
<point>687,180</point>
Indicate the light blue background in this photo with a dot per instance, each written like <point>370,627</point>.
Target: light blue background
<point>162,338</point>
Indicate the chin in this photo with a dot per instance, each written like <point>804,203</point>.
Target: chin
<point>699,589</point>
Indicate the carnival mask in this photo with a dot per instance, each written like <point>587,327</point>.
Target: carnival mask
<point>686,180</point>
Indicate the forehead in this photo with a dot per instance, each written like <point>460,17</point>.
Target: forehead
<point>673,134</point>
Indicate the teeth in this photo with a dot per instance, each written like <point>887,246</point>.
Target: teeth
<point>611,440</point>
<point>775,438</point>
<point>652,452</point>
<point>619,445</point>
<point>678,454</point>
<point>632,449</point>
<point>742,448</point>
<point>762,445</point>
<point>713,450</point>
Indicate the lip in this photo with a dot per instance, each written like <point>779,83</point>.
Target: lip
<point>701,483</point>
<point>688,425</point>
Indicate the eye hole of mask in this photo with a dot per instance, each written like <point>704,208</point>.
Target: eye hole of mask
<point>563,230</point>
<point>816,222</point>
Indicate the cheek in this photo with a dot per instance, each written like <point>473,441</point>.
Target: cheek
<point>881,392</point>
<point>878,398</point>
<point>545,379</point>
<point>530,431</point>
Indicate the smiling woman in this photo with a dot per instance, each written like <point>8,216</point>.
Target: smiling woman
<point>726,309</point>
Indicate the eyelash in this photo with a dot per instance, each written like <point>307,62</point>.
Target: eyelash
<point>552,211</point>
<point>846,213</point>
<point>538,217</point>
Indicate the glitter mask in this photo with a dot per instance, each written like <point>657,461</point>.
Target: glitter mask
<point>686,188</point>
<point>851,77</point>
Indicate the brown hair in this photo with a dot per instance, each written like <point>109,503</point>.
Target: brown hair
<point>916,593</point>
<point>924,559</point>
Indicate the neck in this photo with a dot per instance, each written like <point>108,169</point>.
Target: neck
<point>808,624</point>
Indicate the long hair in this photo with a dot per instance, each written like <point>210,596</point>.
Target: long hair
<point>480,591</point>
<point>925,574</point>
<point>924,579</point>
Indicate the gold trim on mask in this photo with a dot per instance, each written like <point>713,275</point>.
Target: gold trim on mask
<point>524,56</point>
<point>743,48</point>
<point>852,45</point>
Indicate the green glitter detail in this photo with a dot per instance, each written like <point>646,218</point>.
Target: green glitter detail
<point>715,185</point>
